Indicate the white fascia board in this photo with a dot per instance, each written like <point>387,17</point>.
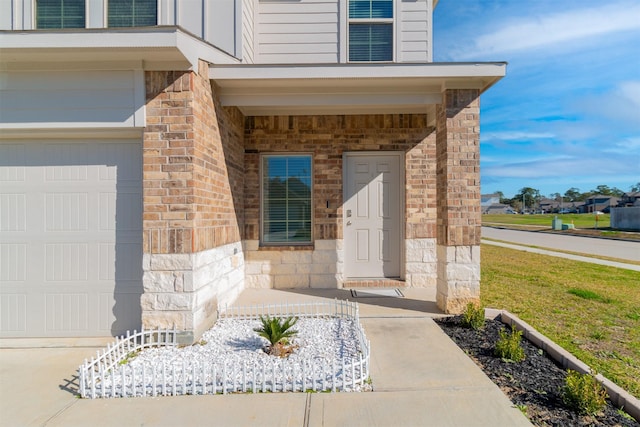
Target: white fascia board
<point>156,48</point>
<point>358,71</point>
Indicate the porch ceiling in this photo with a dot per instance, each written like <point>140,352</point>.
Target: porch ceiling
<point>347,88</point>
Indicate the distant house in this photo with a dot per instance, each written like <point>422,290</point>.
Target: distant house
<point>599,203</point>
<point>498,208</point>
<point>629,199</point>
<point>549,205</point>
<point>486,200</point>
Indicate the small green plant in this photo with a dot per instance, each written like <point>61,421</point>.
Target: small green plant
<point>129,357</point>
<point>583,393</point>
<point>623,414</point>
<point>522,408</point>
<point>473,316</point>
<point>277,331</point>
<point>508,346</point>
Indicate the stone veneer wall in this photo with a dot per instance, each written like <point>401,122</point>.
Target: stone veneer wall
<point>459,213</point>
<point>328,137</point>
<point>193,202</point>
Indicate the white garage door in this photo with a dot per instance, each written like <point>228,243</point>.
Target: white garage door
<point>70,238</point>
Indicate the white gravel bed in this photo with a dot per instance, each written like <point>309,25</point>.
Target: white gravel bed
<point>231,357</point>
<point>232,340</point>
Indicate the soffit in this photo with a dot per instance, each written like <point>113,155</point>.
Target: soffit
<point>347,88</point>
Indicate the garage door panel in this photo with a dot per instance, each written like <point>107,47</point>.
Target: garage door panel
<point>66,313</point>
<point>71,233</point>
<point>128,269</point>
<point>66,211</point>
<point>66,262</point>
<point>13,208</point>
<point>13,259</point>
<point>13,313</point>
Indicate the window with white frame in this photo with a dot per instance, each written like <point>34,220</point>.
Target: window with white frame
<point>132,13</point>
<point>370,30</point>
<point>286,204</point>
<point>60,14</point>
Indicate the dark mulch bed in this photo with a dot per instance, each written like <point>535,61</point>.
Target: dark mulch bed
<point>536,383</point>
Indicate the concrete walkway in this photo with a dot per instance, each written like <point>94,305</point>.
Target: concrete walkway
<point>420,378</point>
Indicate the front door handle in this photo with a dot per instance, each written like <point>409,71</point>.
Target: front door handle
<point>348,222</point>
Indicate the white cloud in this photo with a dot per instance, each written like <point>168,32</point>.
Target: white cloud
<point>517,136</point>
<point>545,31</point>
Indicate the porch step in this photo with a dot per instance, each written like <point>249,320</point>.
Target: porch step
<point>374,283</point>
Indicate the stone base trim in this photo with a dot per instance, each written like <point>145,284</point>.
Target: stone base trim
<point>458,282</point>
<point>183,291</point>
<point>421,263</point>
<point>319,266</point>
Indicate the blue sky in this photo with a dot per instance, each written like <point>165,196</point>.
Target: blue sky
<point>568,112</point>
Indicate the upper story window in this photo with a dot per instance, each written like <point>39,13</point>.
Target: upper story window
<point>60,14</point>
<point>370,30</point>
<point>286,199</point>
<point>133,13</point>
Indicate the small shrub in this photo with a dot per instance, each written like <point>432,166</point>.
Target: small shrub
<point>508,346</point>
<point>277,331</point>
<point>473,316</point>
<point>583,393</point>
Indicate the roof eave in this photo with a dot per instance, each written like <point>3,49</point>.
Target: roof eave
<point>347,88</point>
<point>150,48</point>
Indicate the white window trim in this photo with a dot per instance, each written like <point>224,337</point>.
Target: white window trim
<point>345,31</point>
<point>261,176</point>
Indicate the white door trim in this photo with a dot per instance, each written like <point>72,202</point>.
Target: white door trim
<point>401,215</point>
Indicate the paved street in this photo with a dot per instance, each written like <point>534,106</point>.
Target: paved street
<point>623,250</point>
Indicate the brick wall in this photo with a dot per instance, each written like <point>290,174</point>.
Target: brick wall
<point>193,175</point>
<point>327,137</point>
<point>458,199</point>
<point>193,165</point>
<point>458,159</point>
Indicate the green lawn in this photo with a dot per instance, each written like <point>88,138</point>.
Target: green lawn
<point>578,220</point>
<point>593,311</point>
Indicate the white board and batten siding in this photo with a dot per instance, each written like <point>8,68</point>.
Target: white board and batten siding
<point>71,99</point>
<point>218,22</point>
<point>304,31</point>
<point>414,31</point>
<point>248,28</point>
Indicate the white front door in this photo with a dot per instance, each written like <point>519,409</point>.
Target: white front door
<point>371,215</point>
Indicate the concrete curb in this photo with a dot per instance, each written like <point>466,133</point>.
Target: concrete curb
<point>618,396</point>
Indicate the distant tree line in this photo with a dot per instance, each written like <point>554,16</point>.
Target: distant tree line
<point>531,197</point>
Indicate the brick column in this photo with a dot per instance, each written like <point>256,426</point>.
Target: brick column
<point>458,199</point>
<point>193,159</point>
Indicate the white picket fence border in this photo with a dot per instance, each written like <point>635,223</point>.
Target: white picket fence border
<point>108,375</point>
